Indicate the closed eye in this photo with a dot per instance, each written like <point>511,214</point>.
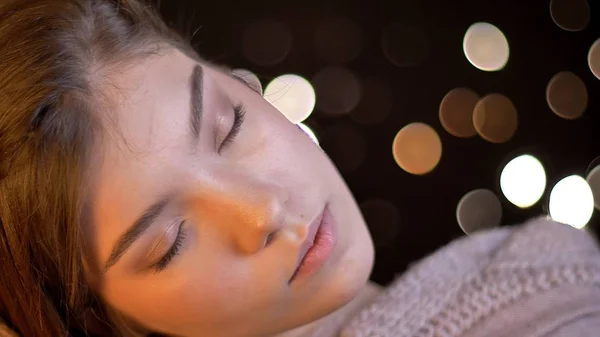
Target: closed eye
<point>173,251</point>
<point>239,112</point>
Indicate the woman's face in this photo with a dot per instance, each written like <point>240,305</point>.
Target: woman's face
<point>222,215</point>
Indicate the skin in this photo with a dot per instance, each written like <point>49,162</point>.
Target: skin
<point>246,209</point>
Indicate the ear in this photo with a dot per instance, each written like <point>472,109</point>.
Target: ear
<point>250,79</point>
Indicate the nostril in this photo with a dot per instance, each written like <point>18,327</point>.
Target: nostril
<point>269,239</point>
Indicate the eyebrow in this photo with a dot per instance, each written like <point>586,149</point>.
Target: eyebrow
<point>150,215</point>
<point>137,230</point>
<point>196,103</point>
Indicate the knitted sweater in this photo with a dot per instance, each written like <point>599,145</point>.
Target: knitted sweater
<point>541,279</point>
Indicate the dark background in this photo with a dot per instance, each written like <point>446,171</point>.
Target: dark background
<point>424,217</point>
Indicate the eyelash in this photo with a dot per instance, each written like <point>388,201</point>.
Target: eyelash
<point>173,251</point>
<point>239,111</point>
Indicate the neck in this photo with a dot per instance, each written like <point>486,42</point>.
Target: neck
<point>330,325</point>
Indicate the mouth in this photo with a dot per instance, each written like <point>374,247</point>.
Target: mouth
<point>318,246</point>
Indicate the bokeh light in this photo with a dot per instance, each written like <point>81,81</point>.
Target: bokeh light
<point>523,181</point>
<point>572,202</point>
<point>338,90</point>
<point>478,210</point>
<point>338,40</point>
<point>570,15</point>
<point>250,78</point>
<point>309,132</point>
<point>594,58</point>
<point>404,44</point>
<point>486,47</point>
<point>495,118</point>
<point>567,95</point>
<point>293,95</point>
<point>383,220</point>
<point>456,112</point>
<point>266,43</point>
<point>375,103</point>
<point>593,179</point>
<point>417,148</point>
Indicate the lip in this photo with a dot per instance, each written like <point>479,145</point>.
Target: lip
<point>318,246</point>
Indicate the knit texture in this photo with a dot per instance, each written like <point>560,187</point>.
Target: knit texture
<point>469,281</point>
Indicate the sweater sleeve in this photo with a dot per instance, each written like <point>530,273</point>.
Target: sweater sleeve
<point>484,282</point>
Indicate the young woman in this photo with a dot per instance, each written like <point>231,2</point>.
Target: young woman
<point>145,191</point>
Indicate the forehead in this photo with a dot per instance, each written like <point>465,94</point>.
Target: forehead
<point>150,104</point>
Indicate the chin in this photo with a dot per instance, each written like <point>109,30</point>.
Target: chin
<point>351,274</point>
<point>356,266</point>
<point>348,272</point>
<point>344,279</point>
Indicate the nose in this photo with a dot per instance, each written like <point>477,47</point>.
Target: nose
<point>260,213</point>
<point>247,211</point>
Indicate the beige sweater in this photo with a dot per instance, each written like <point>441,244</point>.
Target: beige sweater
<point>541,279</point>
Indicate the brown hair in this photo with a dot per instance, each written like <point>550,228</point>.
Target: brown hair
<point>51,55</point>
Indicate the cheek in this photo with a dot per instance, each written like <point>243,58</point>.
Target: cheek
<point>275,147</point>
<point>178,306</point>
<point>194,298</point>
<point>273,134</point>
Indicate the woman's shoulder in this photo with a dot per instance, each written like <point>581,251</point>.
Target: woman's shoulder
<point>469,282</point>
